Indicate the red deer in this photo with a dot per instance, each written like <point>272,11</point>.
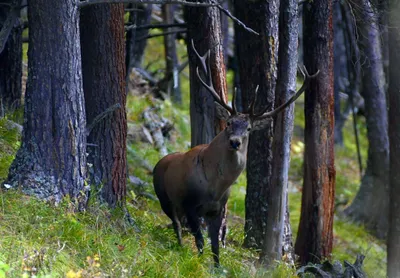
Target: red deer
<point>197,183</point>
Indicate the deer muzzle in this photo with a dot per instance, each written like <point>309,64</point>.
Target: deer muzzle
<point>235,143</point>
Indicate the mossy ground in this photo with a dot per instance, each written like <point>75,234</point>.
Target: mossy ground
<point>47,241</point>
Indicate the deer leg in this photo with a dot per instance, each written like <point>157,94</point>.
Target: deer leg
<point>194,225</point>
<point>170,211</point>
<point>223,229</point>
<point>214,225</point>
<point>177,226</point>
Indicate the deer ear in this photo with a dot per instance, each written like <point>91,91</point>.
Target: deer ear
<point>222,113</point>
<point>260,124</point>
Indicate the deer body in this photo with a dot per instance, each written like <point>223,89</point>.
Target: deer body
<point>203,174</point>
<point>197,183</point>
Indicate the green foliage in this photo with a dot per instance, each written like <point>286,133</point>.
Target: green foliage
<point>9,143</point>
<point>3,269</point>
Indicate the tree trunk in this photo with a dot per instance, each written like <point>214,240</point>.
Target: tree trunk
<point>225,33</point>
<point>103,53</point>
<point>204,28</point>
<point>286,85</point>
<point>135,49</point>
<point>51,162</point>
<point>257,58</point>
<point>10,66</point>
<point>235,67</point>
<point>383,15</point>
<point>340,69</point>
<point>393,241</point>
<point>315,234</point>
<point>370,206</point>
<point>171,57</point>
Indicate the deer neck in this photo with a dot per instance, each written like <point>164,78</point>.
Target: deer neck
<point>221,164</point>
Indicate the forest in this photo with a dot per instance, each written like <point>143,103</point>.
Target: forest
<point>200,138</point>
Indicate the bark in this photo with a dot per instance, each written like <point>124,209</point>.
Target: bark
<point>135,49</point>
<point>235,67</point>
<point>51,162</point>
<point>171,57</point>
<point>315,234</point>
<point>383,15</point>
<point>286,84</point>
<point>225,33</point>
<point>340,70</point>
<point>393,241</point>
<point>257,58</point>
<point>370,205</point>
<point>103,53</point>
<point>10,66</point>
<point>204,28</point>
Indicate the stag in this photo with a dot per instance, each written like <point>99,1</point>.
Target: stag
<point>197,183</point>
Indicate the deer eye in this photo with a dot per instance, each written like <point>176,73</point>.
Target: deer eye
<point>249,128</point>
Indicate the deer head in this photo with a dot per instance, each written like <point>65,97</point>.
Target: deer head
<point>239,125</point>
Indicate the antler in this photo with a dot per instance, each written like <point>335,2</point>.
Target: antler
<point>207,72</point>
<point>264,114</point>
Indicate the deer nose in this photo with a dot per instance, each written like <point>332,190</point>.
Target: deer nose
<point>235,143</point>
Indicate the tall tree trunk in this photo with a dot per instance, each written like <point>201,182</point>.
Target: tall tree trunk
<point>51,162</point>
<point>393,241</point>
<point>286,85</point>
<point>235,67</point>
<point>11,65</point>
<point>225,33</point>
<point>204,28</point>
<point>257,57</point>
<point>135,49</point>
<point>315,234</point>
<point>340,69</point>
<point>103,54</point>
<point>171,57</point>
<point>370,206</point>
<point>383,15</point>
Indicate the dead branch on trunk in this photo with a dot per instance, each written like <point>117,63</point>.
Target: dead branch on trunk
<point>236,20</point>
<point>86,3</point>
<point>154,26</point>
<point>101,116</point>
<point>162,34</point>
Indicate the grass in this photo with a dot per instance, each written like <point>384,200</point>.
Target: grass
<point>43,240</point>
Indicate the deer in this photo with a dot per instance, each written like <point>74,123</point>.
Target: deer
<point>196,184</point>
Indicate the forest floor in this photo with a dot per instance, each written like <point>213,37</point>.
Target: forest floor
<point>43,240</point>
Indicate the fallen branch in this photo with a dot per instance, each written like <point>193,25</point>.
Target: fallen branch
<point>135,181</point>
<point>147,195</point>
<point>129,219</point>
<point>139,161</point>
<point>14,125</point>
